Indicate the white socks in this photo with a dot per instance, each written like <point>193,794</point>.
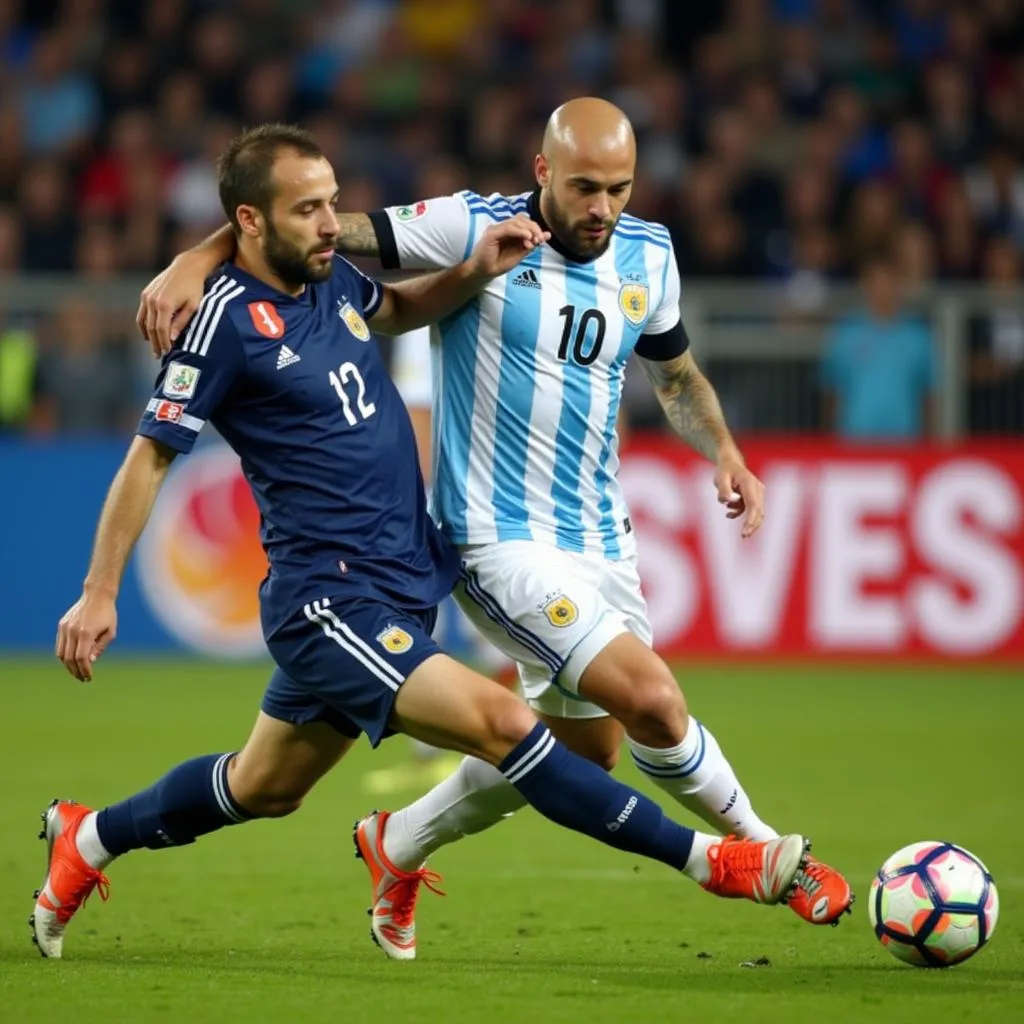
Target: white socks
<point>477,796</point>
<point>88,844</point>
<point>697,865</point>
<point>470,800</point>
<point>697,775</point>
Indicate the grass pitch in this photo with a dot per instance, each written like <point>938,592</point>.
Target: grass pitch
<point>266,922</point>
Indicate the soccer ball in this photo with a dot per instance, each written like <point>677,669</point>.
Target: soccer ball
<point>933,904</point>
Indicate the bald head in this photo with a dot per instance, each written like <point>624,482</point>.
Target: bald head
<point>589,127</point>
<point>585,172</point>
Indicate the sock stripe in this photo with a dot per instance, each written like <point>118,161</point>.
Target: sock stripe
<point>222,794</point>
<point>674,771</point>
<point>527,768</point>
<point>536,752</point>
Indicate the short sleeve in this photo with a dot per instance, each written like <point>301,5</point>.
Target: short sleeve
<point>371,292</point>
<point>193,382</point>
<point>410,368</point>
<point>429,235</point>
<point>667,315</point>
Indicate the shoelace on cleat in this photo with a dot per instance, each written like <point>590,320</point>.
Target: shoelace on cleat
<point>811,878</point>
<point>92,880</point>
<point>405,892</point>
<point>734,856</point>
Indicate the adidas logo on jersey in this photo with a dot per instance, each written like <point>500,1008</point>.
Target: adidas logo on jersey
<point>286,357</point>
<point>527,279</point>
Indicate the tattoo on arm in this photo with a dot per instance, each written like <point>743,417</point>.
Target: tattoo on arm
<point>356,235</point>
<point>690,403</point>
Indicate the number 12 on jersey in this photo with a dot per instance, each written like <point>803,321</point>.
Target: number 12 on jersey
<point>587,338</point>
<point>348,372</point>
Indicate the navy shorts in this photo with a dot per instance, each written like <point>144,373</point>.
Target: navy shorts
<point>342,662</point>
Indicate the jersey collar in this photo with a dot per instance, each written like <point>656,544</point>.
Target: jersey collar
<point>268,291</point>
<point>533,209</point>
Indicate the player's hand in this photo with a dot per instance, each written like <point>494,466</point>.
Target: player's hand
<point>503,245</point>
<point>740,492</point>
<point>84,633</point>
<point>169,301</point>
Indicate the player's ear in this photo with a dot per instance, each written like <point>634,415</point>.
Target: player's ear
<point>250,220</point>
<point>541,170</point>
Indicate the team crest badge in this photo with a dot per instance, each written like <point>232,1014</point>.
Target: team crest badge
<point>633,302</point>
<point>561,611</point>
<point>394,640</point>
<point>353,321</point>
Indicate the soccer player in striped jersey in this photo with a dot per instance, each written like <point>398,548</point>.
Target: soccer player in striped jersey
<point>527,384</point>
<point>280,358</point>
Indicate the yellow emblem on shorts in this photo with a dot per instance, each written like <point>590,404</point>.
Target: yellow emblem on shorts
<point>394,640</point>
<point>633,302</point>
<point>354,322</point>
<point>561,612</point>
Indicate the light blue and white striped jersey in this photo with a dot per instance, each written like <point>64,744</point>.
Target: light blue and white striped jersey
<point>527,378</point>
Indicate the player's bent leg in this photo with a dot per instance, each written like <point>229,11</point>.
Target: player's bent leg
<point>448,704</point>
<point>631,682</point>
<point>277,767</point>
<point>281,762</point>
<point>674,750</point>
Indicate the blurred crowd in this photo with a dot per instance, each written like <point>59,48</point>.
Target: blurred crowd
<point>798,142</point>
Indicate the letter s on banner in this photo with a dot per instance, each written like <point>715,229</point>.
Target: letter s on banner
<point>964,515</point>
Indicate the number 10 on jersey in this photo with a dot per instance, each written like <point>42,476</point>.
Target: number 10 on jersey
<point>346,373</point>
<point>582,345</point>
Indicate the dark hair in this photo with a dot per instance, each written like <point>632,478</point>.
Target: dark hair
<point>244,170</point>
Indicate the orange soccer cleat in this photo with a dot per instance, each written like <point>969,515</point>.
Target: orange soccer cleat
<point>69,880</point>
<point>822,895</point>
<point>764,872</point>
<point>393,913</point>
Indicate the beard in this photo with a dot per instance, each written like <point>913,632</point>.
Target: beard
<point>292,264</point>
<point>571,236</point>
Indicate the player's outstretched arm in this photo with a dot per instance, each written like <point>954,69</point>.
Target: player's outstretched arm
<point>170,299</point>
<point>695,414</point>
<point>90,624</point>
<point>424,300</point>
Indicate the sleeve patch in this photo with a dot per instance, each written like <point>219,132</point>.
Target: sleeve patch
<point>408,213</point>
<point>180,380</point>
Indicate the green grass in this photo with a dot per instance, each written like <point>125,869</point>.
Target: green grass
<point>267,922</point>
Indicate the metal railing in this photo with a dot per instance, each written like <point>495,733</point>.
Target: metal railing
<point>761,346</point>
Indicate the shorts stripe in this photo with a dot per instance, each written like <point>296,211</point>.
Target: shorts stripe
<point>317,618</point>
<point>324,609</point>
<point>517,632</point>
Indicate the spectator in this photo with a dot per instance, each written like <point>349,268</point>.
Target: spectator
<point>916,259</point>
<point>995,190</point>
<point>58,106</point>
<point>996,397</point>
<point>85,384</point>
<point>879,369</point>
<point>48,224</point>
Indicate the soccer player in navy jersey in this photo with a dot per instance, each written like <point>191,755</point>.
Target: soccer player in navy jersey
<point>279,357</point>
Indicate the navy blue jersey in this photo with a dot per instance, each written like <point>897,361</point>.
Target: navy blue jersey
<point>298,388</point>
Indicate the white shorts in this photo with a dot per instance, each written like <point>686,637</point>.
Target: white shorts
<point>553,612</point>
